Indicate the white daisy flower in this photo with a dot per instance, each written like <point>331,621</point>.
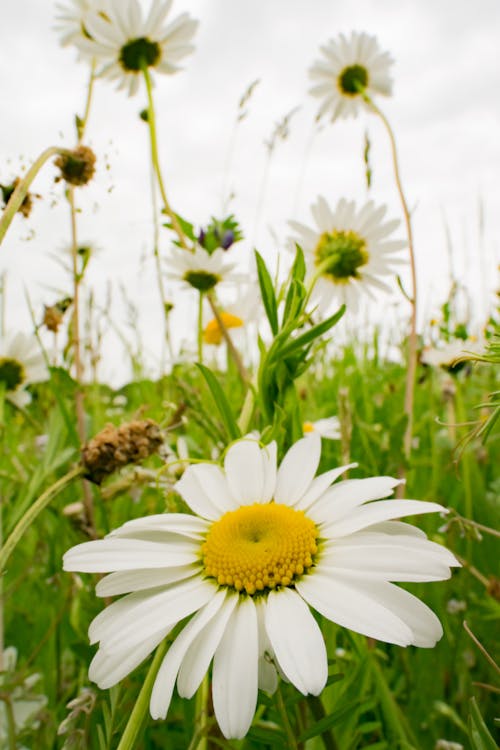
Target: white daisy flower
<point>265,544</point>
<point>351,66</point>
<point>71,20</point>
<point>237,314</point>
<point>199,269</point>
<point>328,428</point>
<point>122,41</point>
<point>446,354</point>
<point>21,363</point>
<point>349,251</point>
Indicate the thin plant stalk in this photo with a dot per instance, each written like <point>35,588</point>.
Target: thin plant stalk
<point>23,186</point>
<point>412,339</point>
<point>133,729</point>
<point>202,699</point>
<point>34,511</point>
<point>88,501</point>
<point>82,122</point>
<point>159,276</point>
<point>243,373</point>
<point>156,162</point>
<point>200,328</point>
<point>280,704</point>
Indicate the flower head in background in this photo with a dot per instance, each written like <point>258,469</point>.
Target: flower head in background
<point>265,544</point>
<point>349,251</point>
<point>21,363</point>
<point>328,428</point>
<point>122,42</point>
<point>71,20</point>
<point>350,67</point>
<point>200,269</point>
<point>445,356</point>
<point>237,314</point>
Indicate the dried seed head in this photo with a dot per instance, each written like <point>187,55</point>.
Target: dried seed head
<point>77,167</point>
<point>53,314</point>
<point>26,205</point>
<point>115,447</point>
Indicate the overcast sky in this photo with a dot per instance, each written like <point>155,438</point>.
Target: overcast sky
<point>445,111</point>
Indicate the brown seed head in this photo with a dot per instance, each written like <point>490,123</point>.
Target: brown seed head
<point>77,167</point>
<point>115,447</point>
<point>26,205</point>
<point>52,318</point>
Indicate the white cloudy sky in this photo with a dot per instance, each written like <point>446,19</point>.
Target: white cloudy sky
<point>445,110</point>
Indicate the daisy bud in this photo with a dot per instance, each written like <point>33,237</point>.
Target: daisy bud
<point>115,447</point>
<point>77,166</point>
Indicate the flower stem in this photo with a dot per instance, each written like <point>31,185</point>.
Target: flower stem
<point>134,725</point>
<point>412,339</point>
<point>23,186</point>
<point>88,501</point>
<point>318,711</point>
<point>227,338</point>
<point>292,744</point>
<point>156,163</point>
<point>200,328</point>
<point>34,510</point>
<point>82,122</point>
<point>247,410</point>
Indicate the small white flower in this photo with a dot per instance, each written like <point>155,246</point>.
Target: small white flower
<point>446,354</point>
<point>121,41</point>
<point>21,363</point>
<point>350,249</point>
<point>199,269</point>
<point>328,428</point>
<point>71,20</point>
<point>351,66</point>
<point>237,314</point>
<point>265,544</point>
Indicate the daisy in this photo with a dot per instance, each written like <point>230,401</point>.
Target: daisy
<point>199,269</point>
<point>445,356</point>
<point>263,546</point>
<point>348,251</point>
<point>351,66</point>
<point>21,363</point>
<point>237,314</point>
<point>121,41</point>
<point>71,20</point>
<point>328,428</point>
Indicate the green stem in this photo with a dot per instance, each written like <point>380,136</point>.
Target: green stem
<point>34,510</point>
<point>156,162</point>
<point>23,185</point>
<point>82,123</point>
<point>227,338</point>
<point>247,410</point>
<point>200,328</point>
<point>202,697</point>
<point>11,722</point>
<point>134,725</point>
<point>412,339</point>
<point>292,744</point>
<point>318,711</point>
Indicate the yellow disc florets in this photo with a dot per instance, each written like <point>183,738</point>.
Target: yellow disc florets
<point>259,547</point>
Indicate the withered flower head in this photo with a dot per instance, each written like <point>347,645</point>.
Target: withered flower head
<point>26,205</point>
<point>115,447</point>
<point>53,314</point>
<point>77,166</point>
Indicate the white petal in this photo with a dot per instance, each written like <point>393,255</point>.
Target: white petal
<point>346,604</point>
<point>177,523</point>
<point>200,653</point>
<point>320,485</point>
<point>167,674</point>
<point>125,581</point>
<point>344,496</point>
<point>108,668</point>
<point>161,609</point>
<point>373,513</point>
<point>107,555</point>
<point>245,472</point>
<point>235,672</point>
<point>297,641</point>
<point>297,470</point>
<point>193,492</point>
<point>215,485</point>
<point>269,453</point>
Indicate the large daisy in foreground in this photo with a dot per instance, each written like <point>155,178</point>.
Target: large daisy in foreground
<point>122,42</point>
<point>349,251</point>
<point>350,67</point>
<point>21,363</point>
<point>263,547</point>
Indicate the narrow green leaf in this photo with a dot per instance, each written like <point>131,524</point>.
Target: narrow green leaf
<point>479,735</point>
<point>221,402</point>
<point>294,301</point>
<point>267,292</point>
<point>331,720</point>
<point>313,333</point>
<point>299,265</point>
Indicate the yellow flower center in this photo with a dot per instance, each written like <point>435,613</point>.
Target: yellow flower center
<point>12,373</point>
<point>213,334</point>
<point>340,254</point>
<point>259,547</point>
<point>308,427</point>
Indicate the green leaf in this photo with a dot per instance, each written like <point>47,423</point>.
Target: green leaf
<point>267,292</point>
<point>479,735</point>
<point>313,333</point>
<point>331,720</point>
<point>299,265</point>
<point>221,402</point>
<point>294,301</point>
